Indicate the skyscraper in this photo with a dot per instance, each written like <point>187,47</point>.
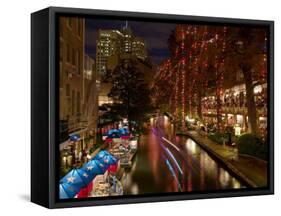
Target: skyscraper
<point>139,48</point>
<point>109,43</point>
<point>115,43</point>
<point>112,45</point>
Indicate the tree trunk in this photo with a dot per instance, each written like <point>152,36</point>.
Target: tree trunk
<point>190,107</point>
<point>219,119</point>
<point>199,105</point>
<point>251,105</point>
<point>128,112</point>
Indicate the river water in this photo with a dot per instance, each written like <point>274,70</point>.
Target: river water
<point>168,163</point>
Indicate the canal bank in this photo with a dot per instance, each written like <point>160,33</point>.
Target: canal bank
<point>252,171</point>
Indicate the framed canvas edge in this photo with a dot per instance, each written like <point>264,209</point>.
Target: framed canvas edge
<point>53,11</point>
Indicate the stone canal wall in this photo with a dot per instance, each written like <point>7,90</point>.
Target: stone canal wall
<point>249,170</point>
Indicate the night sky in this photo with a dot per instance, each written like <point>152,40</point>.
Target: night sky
<point>155,35</point>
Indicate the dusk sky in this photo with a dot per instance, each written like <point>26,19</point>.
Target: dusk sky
<point>155,35</point>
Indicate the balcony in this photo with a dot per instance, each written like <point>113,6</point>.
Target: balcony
<point>261,110</point>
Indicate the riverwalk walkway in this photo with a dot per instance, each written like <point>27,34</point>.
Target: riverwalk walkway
<point>251,170</point>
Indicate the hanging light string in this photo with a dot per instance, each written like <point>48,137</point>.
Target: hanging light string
<point>182,66</point>
<point>176,92</point>
<point>217,82</point>
<point>264,61</point>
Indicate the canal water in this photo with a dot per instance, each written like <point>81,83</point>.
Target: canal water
<point>168,163</point>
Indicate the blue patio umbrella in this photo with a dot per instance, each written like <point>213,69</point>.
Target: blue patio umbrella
<point>101,154</point>
<point>106,158</point>
<point>113,135</point>
<point>95,167</point>
<point>123,130</point>
<point>77,177</point>
<point>112,131</point>
<point>74,137</point>
<point>68,190</point>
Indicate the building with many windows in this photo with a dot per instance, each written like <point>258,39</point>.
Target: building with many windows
<point>78,99</point>
<point>109,43</point>
<point>71,75</point>
<point>90,99</point>
<point>112,45</point>
<point>139,48</point>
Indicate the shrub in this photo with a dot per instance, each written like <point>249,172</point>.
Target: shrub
<point>252,145</point>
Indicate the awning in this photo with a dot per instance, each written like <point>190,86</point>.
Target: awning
<point>74,137</point>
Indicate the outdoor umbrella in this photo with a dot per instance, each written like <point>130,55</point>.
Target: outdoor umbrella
<point>108,140</point>
<point>106,158</point>
<point>101,154</point>
<point>125,136</point>
<point>123,131</point>
<point>112,131</point>
<point>74,137</point>
<point>95,167</point>
<point>68,190</point>
<point>77,177</point>
<point>113,135</point>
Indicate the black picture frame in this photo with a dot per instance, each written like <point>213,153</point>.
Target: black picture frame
<point>44,102</point>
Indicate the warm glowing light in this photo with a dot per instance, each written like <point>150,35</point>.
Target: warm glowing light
<point>190,120</point>
<point>237,130</point>
<point>239,119</point>
<point>191,146</point>
<point>133,144</point>
<point>257,89</point>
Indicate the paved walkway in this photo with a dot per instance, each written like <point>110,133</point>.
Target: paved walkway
<point>250,169</point>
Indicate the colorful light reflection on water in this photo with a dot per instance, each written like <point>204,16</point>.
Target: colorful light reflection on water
<point>178,164</point>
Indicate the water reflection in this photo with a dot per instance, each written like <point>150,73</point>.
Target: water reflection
<point>173,164</point>
<point>191,146</point>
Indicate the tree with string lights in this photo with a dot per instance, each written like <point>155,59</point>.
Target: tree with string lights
<point>246,51</point>
<point>201,56</point>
